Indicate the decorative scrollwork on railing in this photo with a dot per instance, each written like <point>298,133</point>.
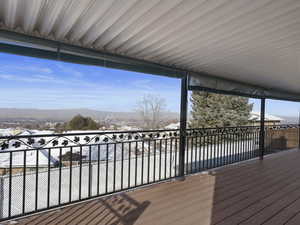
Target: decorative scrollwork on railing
<point>221,131</point>
<point>59,140</point>
<point>283,126</point>
<point>81,139</point>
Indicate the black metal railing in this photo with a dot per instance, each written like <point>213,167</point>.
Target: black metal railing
<point>45,171</point>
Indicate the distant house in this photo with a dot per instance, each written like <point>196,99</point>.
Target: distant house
<point>254,120</point>
<point>269,119</point>
<point>172,126</point>
<point>125,127</point>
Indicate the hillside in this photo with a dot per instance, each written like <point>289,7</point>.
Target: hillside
<point>66,114</point>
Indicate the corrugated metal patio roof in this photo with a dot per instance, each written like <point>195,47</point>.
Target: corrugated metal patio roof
<point>253,41</point>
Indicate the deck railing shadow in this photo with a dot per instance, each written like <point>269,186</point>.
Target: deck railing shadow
<point>125,209</point>
<point>112,210</point>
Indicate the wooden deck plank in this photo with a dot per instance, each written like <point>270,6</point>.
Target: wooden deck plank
<point>252,192</point>
<point>260,201</point>
<point>271,211</point>
<point>286,214</point>
<point>294,220</point>
<point>205,203</point>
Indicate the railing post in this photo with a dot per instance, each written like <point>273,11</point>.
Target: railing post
<point>262,129</point>
<point>299,130</point>
<point>90,179</point>
<point>1,196</point>
<point>183,120</point>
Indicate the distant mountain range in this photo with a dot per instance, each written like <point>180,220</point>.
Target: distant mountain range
<point>7,114</point>
<point>67,114</point>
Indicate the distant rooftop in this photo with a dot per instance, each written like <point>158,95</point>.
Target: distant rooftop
<point>256,116</point>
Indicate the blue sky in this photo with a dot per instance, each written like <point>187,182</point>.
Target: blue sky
<point>27,82</point>
<point>276,107</point>
<point>37,83</point>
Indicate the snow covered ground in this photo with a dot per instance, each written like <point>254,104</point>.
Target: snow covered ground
<point>54,154</point>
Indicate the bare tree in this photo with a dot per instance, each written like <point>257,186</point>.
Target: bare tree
<point>150,109</point>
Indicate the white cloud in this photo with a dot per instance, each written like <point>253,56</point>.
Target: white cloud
<point>40,78</point>
<point>68,69</point>
<point>29,79</point>
<point>38,69</point>
<point>101,97</point>
<point>143,84</point>
<point>30,69</point>
<point>7,76</point>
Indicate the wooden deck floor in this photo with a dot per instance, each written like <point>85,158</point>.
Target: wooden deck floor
<point>253,192</point>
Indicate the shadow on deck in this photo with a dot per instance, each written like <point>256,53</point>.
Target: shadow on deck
<point>117,209</point>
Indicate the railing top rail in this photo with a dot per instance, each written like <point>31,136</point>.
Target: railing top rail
<point>135,131</point>
<point>87,133</point>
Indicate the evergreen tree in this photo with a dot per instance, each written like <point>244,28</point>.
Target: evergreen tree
<point>82,123</point>
<point>215,110</point>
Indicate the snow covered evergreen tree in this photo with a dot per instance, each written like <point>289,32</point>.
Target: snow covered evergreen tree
<point>216,110</point>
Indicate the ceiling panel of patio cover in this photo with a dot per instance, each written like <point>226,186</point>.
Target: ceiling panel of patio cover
<point>255,42</point>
